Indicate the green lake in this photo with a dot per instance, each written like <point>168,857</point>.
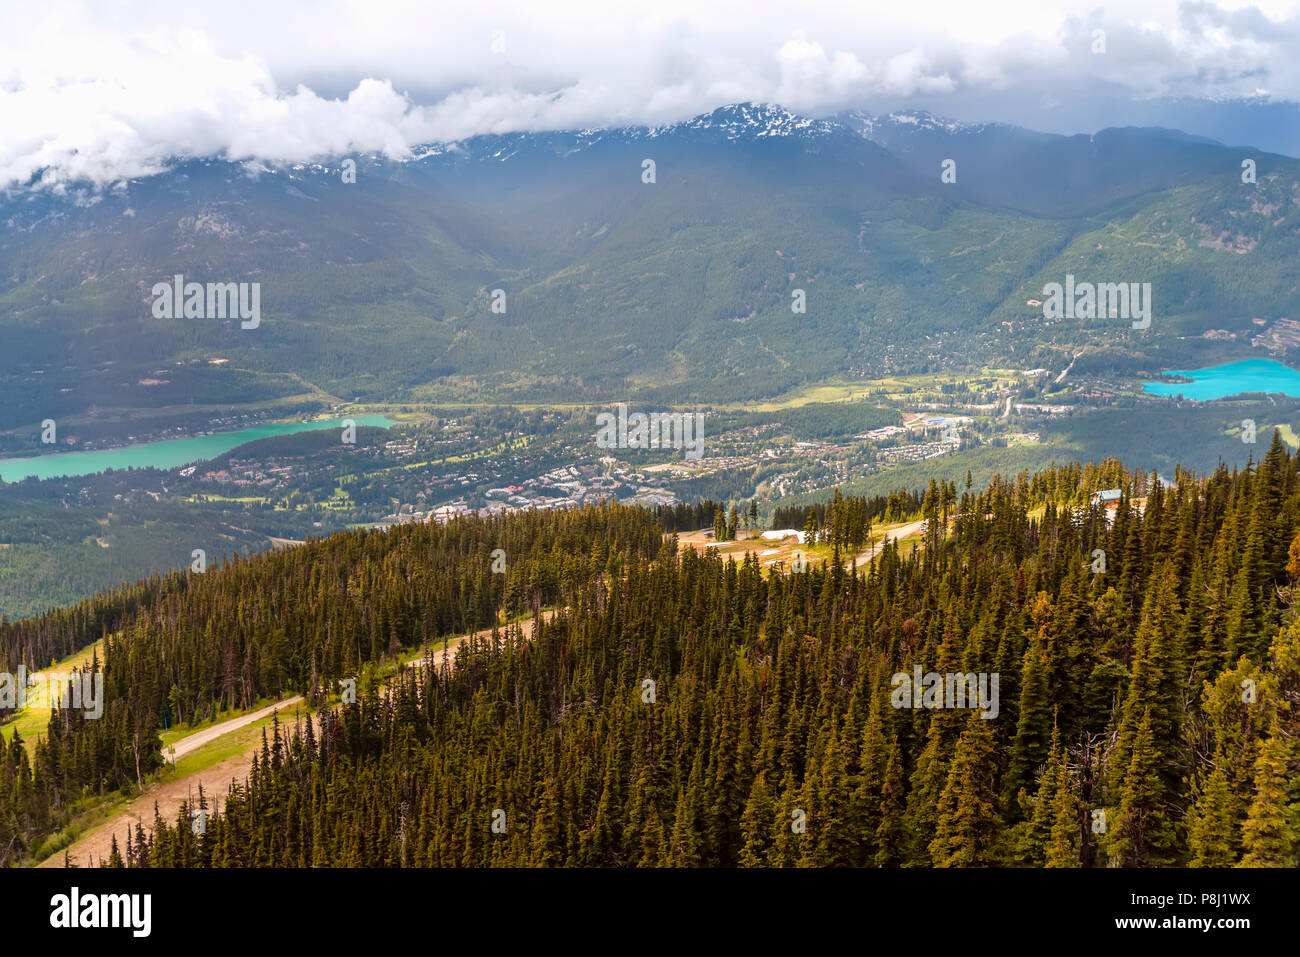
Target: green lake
<point>165,454</point>
<point>1231,378</point>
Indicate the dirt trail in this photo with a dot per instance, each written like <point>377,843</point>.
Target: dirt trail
<point>898,534</point>
<point>193,742</point>
<point>94,847</point>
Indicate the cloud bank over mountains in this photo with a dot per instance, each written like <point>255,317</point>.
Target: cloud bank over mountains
<point>102,93</point>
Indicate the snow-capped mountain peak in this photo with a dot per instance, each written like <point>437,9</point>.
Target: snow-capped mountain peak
<point>751,121</point>
<point>904,122</point>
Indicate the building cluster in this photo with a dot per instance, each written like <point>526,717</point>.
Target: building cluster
<point>1284,334</point>
<point>564,487</point>
<point>918,452</point>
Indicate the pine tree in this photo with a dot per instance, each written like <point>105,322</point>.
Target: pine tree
<point>967,833</point>
<point>1034,834</point>
<point>1212,836</point>
<point>1034,727</point>
<point>756,825</point>
<point>832,848</point>
<point>1143,833</point>
<point>889,832</point>
<point>1269,835</point>
<point>1063,840</point>
<point>548,833</point>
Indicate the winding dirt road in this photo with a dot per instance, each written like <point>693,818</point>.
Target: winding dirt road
<point>93,848</point>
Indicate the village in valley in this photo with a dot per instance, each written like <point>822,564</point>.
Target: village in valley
<point>432,468</point>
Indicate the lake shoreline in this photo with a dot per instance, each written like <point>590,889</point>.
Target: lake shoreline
<point>1227,380</point>
<point>166,454</point>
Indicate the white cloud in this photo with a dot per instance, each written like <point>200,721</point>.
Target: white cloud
<point>104,92</point>
<point>810,76</point>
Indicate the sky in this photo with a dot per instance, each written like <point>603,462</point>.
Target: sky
<point>108,90</point>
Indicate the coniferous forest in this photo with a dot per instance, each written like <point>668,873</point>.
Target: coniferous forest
<point>669,708</point>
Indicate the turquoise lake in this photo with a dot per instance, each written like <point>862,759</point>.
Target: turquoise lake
<point>1216,382</point>
<point>166,454</point>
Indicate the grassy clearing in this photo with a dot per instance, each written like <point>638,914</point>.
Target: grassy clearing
<point>770,552</point>
<point>34,719</point>
<point>28,724</point>
<point>907,388</point>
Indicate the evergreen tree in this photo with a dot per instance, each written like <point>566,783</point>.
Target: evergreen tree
<point>968,830</point>
<point>1212,835</point>
<point>1269,834</point>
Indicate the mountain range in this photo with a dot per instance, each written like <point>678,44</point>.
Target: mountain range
<point>679,289</point>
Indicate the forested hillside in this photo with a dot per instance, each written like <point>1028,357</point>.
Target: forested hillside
<point>1148,709</point>
<point>680,288</point>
